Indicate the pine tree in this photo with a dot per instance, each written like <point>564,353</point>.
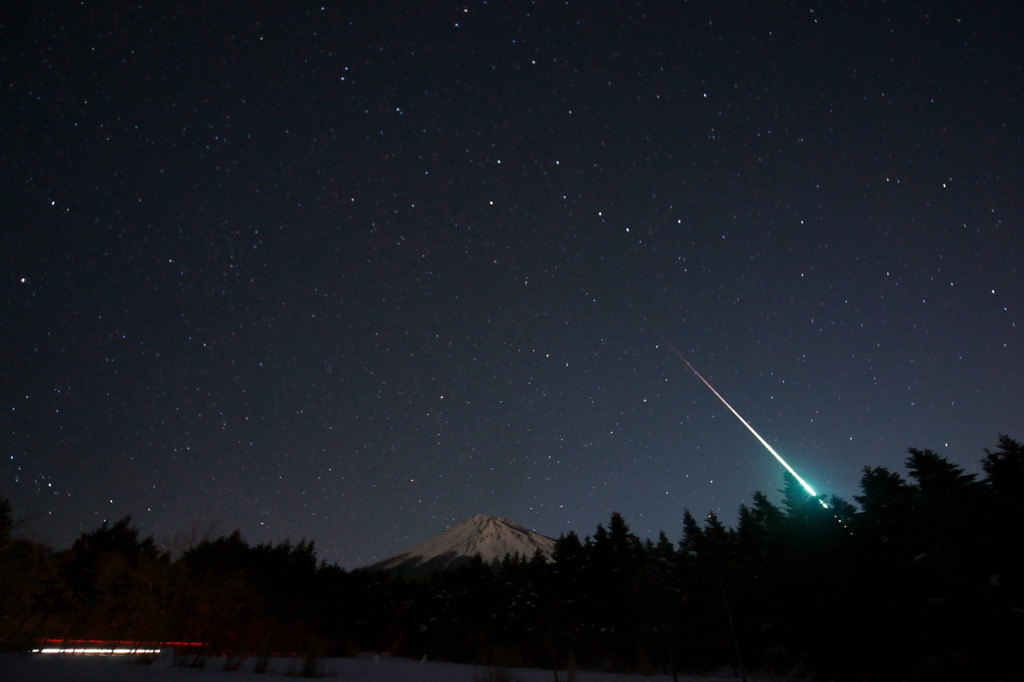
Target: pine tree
<point>568,549</point>
<point>664,550</point>
<point>717,537</point>
<point>24,566</point>
<point>1005,478</point>
<point>935,475</point>
<point>692,542</point>
<point>6,523</point>
<point>1005,475</point>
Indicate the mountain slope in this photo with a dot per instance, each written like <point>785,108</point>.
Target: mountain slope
<point>491,537</point>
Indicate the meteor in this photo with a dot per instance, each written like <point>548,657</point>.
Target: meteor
<point>750,428</point>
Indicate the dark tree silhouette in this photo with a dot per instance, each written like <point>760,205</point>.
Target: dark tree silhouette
<point>923,574</point>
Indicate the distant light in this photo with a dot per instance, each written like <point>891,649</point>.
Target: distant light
<point>96,652</point>
<point>97,647</point>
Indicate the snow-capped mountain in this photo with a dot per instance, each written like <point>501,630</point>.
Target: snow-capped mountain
<point>491,537</point>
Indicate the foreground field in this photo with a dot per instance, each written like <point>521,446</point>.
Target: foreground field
<point>366,668</point>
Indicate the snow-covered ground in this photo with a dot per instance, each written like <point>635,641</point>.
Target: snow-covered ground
<point>364,668</point>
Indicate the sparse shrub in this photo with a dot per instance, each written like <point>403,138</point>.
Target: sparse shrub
<point>312,662</point>
<point>312,666</point>
<point>494,674</point>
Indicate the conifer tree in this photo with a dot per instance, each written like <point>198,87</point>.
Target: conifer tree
<point>24,566</point>
<point>6,523</point>
<point>1004,468</point>
<point>568,549</point>
<point>716,536</point>
<point>664,550</point>
<point>692,542</point>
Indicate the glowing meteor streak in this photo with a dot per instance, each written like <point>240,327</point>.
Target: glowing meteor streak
<point>750,428</point>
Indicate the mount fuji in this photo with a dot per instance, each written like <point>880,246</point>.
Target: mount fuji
<point>491,537</point>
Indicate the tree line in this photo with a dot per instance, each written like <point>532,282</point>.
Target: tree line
<point>919,573</point>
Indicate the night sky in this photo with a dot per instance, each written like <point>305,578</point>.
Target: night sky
<point>355,272</point>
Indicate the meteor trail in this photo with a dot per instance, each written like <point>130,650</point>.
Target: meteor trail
<point>750,428</point>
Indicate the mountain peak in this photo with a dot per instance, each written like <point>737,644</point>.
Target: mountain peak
<point>490,537</point>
